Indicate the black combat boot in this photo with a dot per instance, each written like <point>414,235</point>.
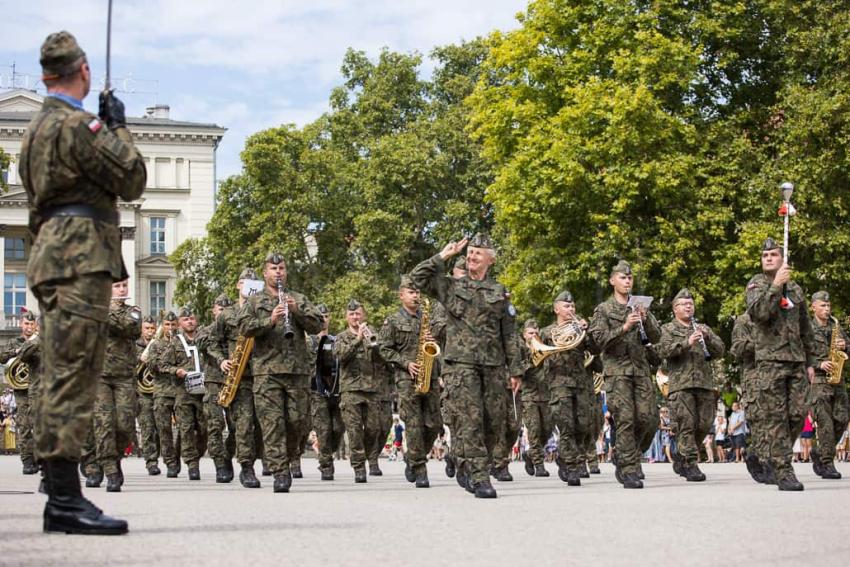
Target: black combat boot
<point>94,479</point>
<point>66,509</point>
<point>247,477</point>
<point>678,464</point>
<point>829,471</point>
<point>375,470</point>
<point>30,468</point>
<point>194,472</point>
<point>573,478</point>
<point>266,471</point>
<point>221,475</point>
<point>327,474</point>
<point>618,473</point>
<point>529,465</point>
<point>360,475</point>
<point>789,482</point>
<point>692,473</point>
<point>282,482</point>
<point>484,489</point>
<point>295,469</point>
<point>817,463</point>
<point>632,480</point>
<point>503,474</point>
<point>640,474</point>
<point>422,478</point>
<point>540,470</point>
<point>583,472</point>
<point>172,471</point>
<point>451,466</point>
<point>461,477</point>
<point>228,464</point>
<point>594,468</point>
<point>769,475</point>
<point>755,468</point>
<point>409,475</point>
<point>120,473</point>
<point>153,469</point>
<point>113,483</point>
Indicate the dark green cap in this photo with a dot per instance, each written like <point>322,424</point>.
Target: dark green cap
<point>274,258</point>
<point>248,274</point>
<point>770,244</point>
<point>170,316</point>
<point>186,311</point>
<point>60,53</point>
<point>820,296</point>
<point>622,267</point>
<point>354,305</point>
<point>481,240</point>
<point>149,319</point>
<point>223,301</point>
<point>564,296</point>
<point>530,324</point>
<point>323,309</point>
<point>28,316</point>
<point>684,293</point>
<point>407,283</point>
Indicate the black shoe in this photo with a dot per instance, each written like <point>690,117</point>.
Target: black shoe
<point>678,464</point>
<point>360,476</point>
<point>295,470</point>
<point>640,474</point>
<point>282,482</point>
<point>563,471</point>
<point>618,474</point>
<point>583,472</point>
<point>451,468</point>
<point>172,472</point>
<point>484,489</point>
<point>461,477</point>
<point>221,475</point>
<point>409,475</point>
<point>755,468</point>
<point>113,483</point>
<point>422,479</point>
<point>503,474</point>
<point>693,474</point>
<point>93,480</point>
<point>573,478</point>
<point>469,486</point>
<point>120,473</point>
<point>790,483</point>
<point>30,468</point>
<point>266,471</point>
<point>248,478</point>
<point>529,466</point>
<point>153,470</point>
<point>374,470</point>
<point>327,474</point>
<point>228,464</point>
<point>829,471</point>
<point>67,511</point>
<point>632,481</point>
<point>594,468</point>
<point>540,470</point>
<point>194,473</point>
<point>769,475</point>
<point>817,463</point>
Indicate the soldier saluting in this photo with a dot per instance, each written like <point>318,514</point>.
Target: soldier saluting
<point>74,167</point>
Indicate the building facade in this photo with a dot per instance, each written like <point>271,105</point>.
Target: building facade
<point>178,203</point>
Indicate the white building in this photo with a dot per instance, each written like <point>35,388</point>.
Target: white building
<point>177,204</point>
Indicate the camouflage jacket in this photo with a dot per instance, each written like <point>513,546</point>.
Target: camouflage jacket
<point>743,347</point>
<point>535,385</point>
<point>172,357</point>
<point>686,364</point>
<point>480,322</point>
<point>122,329</point>
<point>622,353</point>
<point>165,384</point>
<point>206,340</point>
<point>566,369</point>
<point>823,340</point>
<point>781,335</point>
<point>399,340</point>
<point>361,367</point>
<point>273,353</point>
<point>223,338</point>
<point>12,349</point>
<point>69,157</point>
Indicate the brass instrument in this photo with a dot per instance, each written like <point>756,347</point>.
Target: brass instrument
<point>18,374</point>
<point>427,352</point>
<point>144,375</point>
<point>663,381</point>
<point>565,336</point>
<point>239,362</point>
<point>367,334</point>
<point>836,356</point>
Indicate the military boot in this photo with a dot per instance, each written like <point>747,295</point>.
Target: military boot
<point>755,468</point>
<point>113,483</point>
<point>678,464</point>
<point>266,471</point>
<point>769,475</point>
<point>640,474</point>
<point>327,473</point>
<point>67,510</point>
<point>42,486</point>
<point>484,489</point>
<point>153,470</point>
<point>409,475</point>
<point>451,466</point>
<point>422,478</point>
<point>375,470</point>
<point>360,475</point>
<point>461,477</point>
<point>282,482</point>
<point>573,478</point>
<point>194,472</point>
<point>692,473</point>
<point>594,468</point>
<point>583,472</point>
<point>632,480</point>
<point>94,479</point>
<point>30,468</point>
<point>503,474</point>
<point>540,470</point>
<point>221,475</point>
<point>563,471</point>
<point>817,463</point>
<point>295,470</point>
<point>829,471</point>
<point>618,473</point>
<point>529,465</point>
<point>247,477</point>
<point>228,464</point>
<point>789,482</point>
<point>120,473</point>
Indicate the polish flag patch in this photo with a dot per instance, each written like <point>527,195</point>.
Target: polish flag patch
<point>95,125</point>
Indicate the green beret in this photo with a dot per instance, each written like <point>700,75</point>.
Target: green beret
<point>820,296</point>
<point>407,283</point>
<point>28,316</point>
<point>481,240</point>
<point>530,324</point>
<point>323,309</point>
<point>564,296</point>
<point>170,316</point>
<point>354,305</point>
<point>248,274</point>
<point>684,293</point>
<point>274,258</point>
<point>186,311</point>
<point>460,263</point>
<point>223,301</point>
<point>59,55</point>
<point>622,267</point>
<point>770,244</point>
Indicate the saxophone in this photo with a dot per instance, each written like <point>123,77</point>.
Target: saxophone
<point>241,354</point>
<point>836,356</point>
<point>427,351</point>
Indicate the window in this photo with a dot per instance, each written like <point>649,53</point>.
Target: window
<point>157,235</point>
<point>15,248</point>
<point>157,298</point>
<point>14,293</point>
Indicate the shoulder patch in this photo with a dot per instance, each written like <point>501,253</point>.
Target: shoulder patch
<point>95,125</point>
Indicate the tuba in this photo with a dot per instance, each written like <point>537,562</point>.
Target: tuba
<point>427,352</point>
<point>241,354</point>
<point>18,374</point>
<point>565,336</point>
<point>836,356</point>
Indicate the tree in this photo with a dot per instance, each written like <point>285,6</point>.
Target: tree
<point>5,161</point>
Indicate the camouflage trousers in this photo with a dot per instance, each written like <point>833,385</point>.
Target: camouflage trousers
<point>572,413</point>
<point>326,418</point>
<point>114,419</point>
<point>384,409</point>
<point>361,414</point>
<point>537,418</point>
<point>221,447</point>
<point>597,422</point>
<point>777,410</point>
<point>631,400</point>
<point>448,413</point>
<point>246,432</point>
<point>692,413</point>
<point>510,429</point>
<point>282,404</point>
<point>422,421</point>
<point>193,426</point>
<point>480,391</point>
<point>830,410</point>
<point>23,424</point>
<point>164,408</point>
<point>147,424</point>
<point>74,313</point>
<point>749,381</point>
<point>88,452</point>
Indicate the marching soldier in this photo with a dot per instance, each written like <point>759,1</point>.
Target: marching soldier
<point>535,405</point>
<point>74,167</point>
<point>446,408</point>
<point>384,410</point>
<point>278,319</point>
<point>23,401</point>
<point>145,412</point>
<point>114,406</point>
<point>324,390</point>
<point>828,402</point>
<point>362,375</point>
<point>165,393</point>
<point>615,328</point>
<point>688,347</point>
<point>785,358</point>
<point>744,350</point>
<point>480,344</point>
<point>400,346</point>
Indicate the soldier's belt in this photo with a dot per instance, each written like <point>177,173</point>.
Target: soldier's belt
<point>107,216</point>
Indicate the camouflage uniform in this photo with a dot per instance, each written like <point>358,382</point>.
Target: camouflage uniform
<point>508,431</point>
<point>147,419</point>
<point>743,348</point>
<point>24,411</point>
<point>536,414</point>
<point>399,340</point>
<point>218,419</point>
<point>165,392</point>
<point>280,367</point>
<point>784,347</point>
<point>31,354</point>
<point>480,343</point>
<point>384,411</point>
<point>828,403</point>
<point>326,415</point>
<point>114,407</point>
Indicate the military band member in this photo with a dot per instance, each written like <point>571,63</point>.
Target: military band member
<point>615,329</point>
<point>536,414</point>
<point>400,346</point>
<point>785,359</point>
<point>247,433</point>
<point>145,413</point>
<point>480,344</point>
<point>324,389</point>
<point>828,402</point>
<point>73,168</point>
<point>165,393</point>
<point>446,408</point>
<point>23,416</point>
<point>384,410</point>
<point>744,350</point>
<point>115,401</point>
<point>570,391</point>
<point>280,365</point>
<point>691,394</point>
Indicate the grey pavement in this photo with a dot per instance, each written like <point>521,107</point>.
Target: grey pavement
<point>728,519</point>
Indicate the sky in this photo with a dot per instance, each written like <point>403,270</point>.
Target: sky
<point>243,65</point>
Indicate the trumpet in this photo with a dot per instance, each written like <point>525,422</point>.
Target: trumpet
<point>288,332</point>
<point>368,335</point>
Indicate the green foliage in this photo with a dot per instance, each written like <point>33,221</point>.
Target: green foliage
<point>199,269</point>
<point>5,161</point>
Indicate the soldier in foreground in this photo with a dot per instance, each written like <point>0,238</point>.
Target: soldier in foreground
<point>74,167</point>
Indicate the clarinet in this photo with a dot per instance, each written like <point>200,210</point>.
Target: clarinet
<point>287,320</point>
<point>644,339</point>
<point>705,352</point>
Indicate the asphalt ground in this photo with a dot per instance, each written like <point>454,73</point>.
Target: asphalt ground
<point>535,521</point>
